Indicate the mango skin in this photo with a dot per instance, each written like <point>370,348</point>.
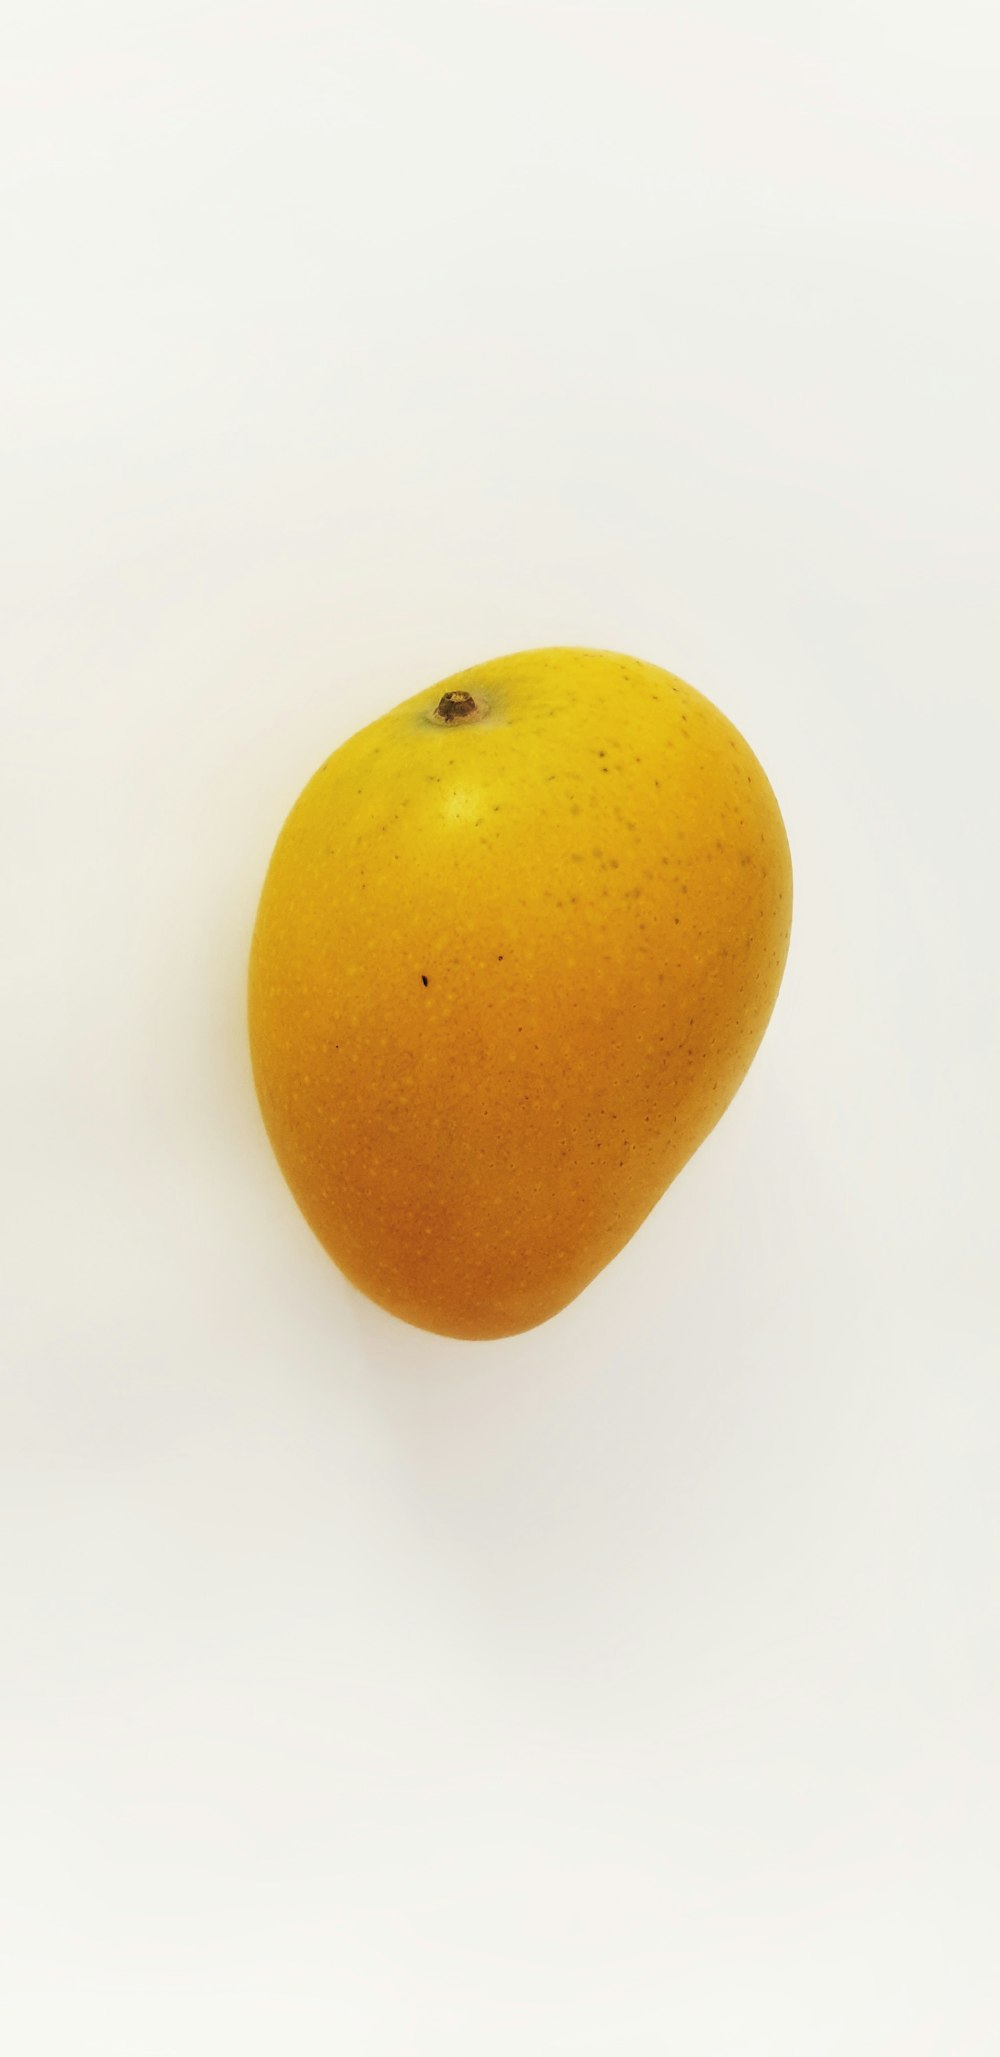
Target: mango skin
<point>507,975</point>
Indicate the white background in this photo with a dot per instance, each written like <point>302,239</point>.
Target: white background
<point>633,1687</point>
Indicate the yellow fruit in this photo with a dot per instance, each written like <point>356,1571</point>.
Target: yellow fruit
<point>517,945</point>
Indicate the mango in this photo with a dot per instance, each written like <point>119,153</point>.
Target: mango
<point>516,948</point>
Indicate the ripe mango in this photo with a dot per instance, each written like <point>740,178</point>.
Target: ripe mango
<point>517,945</point>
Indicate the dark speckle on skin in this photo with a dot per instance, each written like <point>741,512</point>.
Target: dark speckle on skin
<point>424,980</point>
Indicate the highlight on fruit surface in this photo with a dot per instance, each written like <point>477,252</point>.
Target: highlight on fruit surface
<point>517,945</point>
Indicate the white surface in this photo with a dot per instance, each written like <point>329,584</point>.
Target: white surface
<point>632,1687</point>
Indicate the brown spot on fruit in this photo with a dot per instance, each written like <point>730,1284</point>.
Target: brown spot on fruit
<point>455,707</point>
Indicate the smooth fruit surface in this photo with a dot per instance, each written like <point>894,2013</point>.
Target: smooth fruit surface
<point>516,948</point>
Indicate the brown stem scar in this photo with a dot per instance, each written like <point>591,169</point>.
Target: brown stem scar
<point>457,706</point>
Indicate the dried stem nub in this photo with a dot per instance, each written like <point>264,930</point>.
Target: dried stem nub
<point>455,706</point>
